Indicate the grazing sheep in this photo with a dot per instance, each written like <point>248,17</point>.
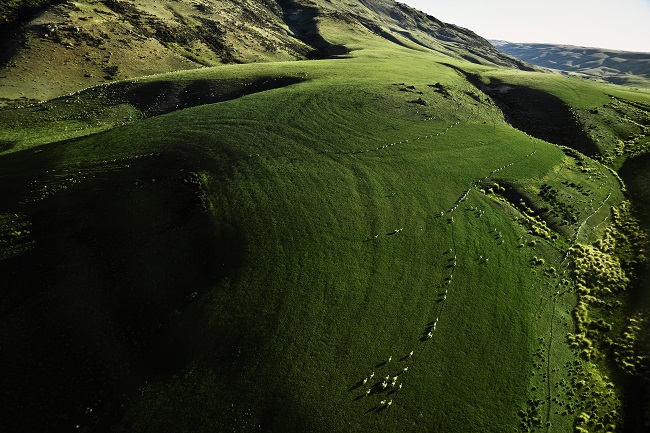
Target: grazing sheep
<point>389,403</point>
<point>411,354</point>
<point>365,380</point>
<point>372,375</point>
<point>405,369</point>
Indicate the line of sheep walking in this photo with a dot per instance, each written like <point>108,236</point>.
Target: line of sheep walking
<point>393,383</point>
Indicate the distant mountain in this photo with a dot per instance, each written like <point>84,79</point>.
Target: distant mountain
<point>620,67</point>
<point>49,47</point>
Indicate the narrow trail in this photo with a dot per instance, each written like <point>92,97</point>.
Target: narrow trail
<point>564,265</point>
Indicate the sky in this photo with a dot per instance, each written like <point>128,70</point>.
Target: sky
<point>620,25</point>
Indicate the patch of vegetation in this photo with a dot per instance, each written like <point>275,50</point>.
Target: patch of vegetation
<point>602,280</point>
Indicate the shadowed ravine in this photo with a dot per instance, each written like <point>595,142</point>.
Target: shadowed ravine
<point>302,22</point>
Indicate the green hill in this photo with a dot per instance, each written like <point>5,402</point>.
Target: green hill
<point>49,50</point>
<point>390,240</point>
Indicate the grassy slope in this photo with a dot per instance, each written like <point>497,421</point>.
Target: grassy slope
<point>306,302</point>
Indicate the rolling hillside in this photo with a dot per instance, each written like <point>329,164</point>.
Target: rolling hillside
<point>619,67</point>
<point>72,45</point>
<point>399,234</point>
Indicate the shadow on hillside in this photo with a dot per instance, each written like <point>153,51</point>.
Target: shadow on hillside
<point>95,297</point>
<point>302,22</point>
<point>161,97</point>
<point>542,115</point>
<point>536,112</point>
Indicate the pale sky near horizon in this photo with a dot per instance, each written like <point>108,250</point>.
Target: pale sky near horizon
<point>621,25</point>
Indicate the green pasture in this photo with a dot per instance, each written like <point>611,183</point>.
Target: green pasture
<point>295,239</point>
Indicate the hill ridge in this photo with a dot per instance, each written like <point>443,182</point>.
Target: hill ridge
<point>68,46</point>
<point>614,66</point>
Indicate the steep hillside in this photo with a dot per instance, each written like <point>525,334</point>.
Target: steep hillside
<point>72,45</point>
<point>405,23</point>
<point>619,67</point>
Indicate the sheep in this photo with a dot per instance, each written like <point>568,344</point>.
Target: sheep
<point>365,380</point>
<point>405,369</point>
<point>368,391</point>
<point>411,354</point>
<point>384,385</point>
<point>389,403</point>
<point>372,375</point>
